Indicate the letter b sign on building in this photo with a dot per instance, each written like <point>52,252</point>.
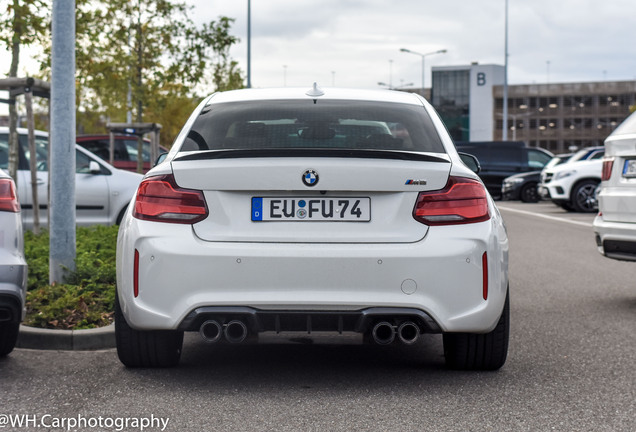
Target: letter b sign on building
<point>481,79</point>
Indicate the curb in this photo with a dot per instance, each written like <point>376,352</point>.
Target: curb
<point>68,340</point>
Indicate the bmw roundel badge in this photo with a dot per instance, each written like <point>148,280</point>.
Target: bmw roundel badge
<point>310,178</point>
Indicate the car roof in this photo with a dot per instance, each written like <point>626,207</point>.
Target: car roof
<point>316,93</point>
<point>585,153</point>
<point>87,137</point>
<point>23,131</point>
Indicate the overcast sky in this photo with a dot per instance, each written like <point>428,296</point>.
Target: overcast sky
<point>352,42</point>
<point>356,43</point>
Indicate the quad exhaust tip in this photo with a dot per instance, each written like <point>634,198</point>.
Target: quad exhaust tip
<point>408,332</point>
<point>235,331</point>
<point>384,333</point>
<point>211,331</point>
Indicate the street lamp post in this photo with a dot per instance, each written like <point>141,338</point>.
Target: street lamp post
<point>505,87</point>
<point>442,51</point>
<point>249,44</point>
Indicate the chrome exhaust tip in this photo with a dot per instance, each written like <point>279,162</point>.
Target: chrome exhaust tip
<point>408,332</point>
<point>383,333</point>
<point>235,331</point>
<point>211,331</point>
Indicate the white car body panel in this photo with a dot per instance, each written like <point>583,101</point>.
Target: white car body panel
<point>277,174</point>
<point>615,225</point>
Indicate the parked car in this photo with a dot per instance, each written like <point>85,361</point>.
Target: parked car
<point>524,186</point>
<point>501,159</point>
<point>125,151</point>
<point>588,153</point>
<point>13,266</point>
<point>102,192</point>
<point>268,216</point>
<point>521,187</point>
<point>615,224</point>
<point>573,185</point>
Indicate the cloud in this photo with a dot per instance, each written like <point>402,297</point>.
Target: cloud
<point>295,42</point>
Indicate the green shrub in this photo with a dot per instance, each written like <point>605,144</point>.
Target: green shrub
<point>87,297</point>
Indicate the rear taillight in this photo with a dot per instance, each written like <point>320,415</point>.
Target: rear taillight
<point>608,164</point>
<point>159,199</point>
<point>462,201</point>
<point>8,198</point>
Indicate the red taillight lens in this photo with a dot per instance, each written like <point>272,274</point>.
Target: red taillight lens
<point>608,164</point>
<point>8,198</point>
<point>462,201</point>
<point>159,199</point>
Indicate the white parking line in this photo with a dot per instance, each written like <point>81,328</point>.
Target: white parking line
<point>554,218</point>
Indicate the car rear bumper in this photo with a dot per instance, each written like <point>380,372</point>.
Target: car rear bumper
<point>13,290</point>
<point>440,276</point>
<point>307,321</point>
<point>616,240</point>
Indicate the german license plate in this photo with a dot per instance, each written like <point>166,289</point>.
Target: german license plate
<point>629,170</point>
<point>311,209</point>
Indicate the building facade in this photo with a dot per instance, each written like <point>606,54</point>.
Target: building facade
<point>463,96</point>
<point>556,117</point>
<point>560,117</point>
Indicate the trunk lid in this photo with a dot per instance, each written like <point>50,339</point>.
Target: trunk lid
<point>376,190</point>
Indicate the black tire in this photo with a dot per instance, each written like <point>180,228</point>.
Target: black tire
<point>151,348</point>
<point>469,351</point>
<point>583,196</point>
<point>120,216</point>
<point>8,337</point>
<point>529,193</point>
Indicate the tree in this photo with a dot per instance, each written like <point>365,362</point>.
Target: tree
<point>142,57</point>
<point>22,22</point>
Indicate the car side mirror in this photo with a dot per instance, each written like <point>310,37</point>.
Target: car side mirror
<point>94,168</point>
<point>161,158</point>
<point>471,162</point>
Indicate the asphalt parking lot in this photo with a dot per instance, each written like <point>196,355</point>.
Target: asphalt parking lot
<point>570,365</point>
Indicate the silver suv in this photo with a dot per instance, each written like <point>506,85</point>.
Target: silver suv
<point>13,266</point>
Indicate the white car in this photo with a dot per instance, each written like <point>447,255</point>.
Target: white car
<point>102,192</point>
<point>267,215</point>
<point>615,224</point>
<point>572,185</point>
<point>13,266</point>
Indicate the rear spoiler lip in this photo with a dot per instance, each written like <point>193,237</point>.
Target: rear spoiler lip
<point>312,153</point>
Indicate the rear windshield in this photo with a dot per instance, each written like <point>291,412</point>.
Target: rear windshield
<point>299,124</point>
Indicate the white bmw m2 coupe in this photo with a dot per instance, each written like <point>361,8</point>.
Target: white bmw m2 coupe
<point>311,210</point>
